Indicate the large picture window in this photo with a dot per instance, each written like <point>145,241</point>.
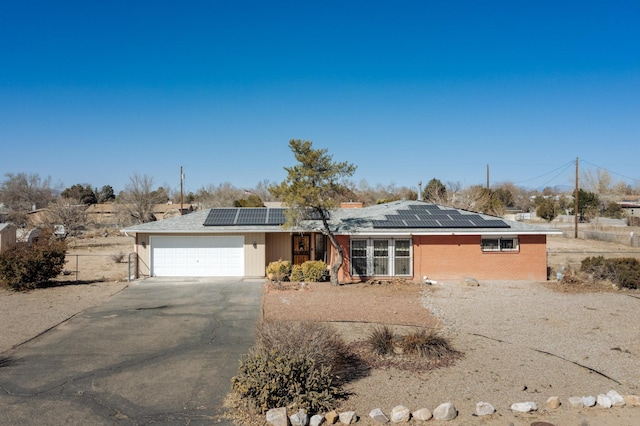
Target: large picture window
<point>381,257</point>
<point>499,244</point>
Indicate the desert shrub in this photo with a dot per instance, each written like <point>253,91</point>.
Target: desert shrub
<point>117,257</point>
<point>314,270</point>
<point>296,273</point>
<point>270,378</point>
<point>624,272</point>
<point>24,266</point>
<point>318,341</point>
<point>426,344</point>
<point>279,270</point>
<point>382,340</point>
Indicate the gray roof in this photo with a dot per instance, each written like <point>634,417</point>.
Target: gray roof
<point>383,219</point>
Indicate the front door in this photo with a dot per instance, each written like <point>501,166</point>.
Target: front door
<point>301,249</point>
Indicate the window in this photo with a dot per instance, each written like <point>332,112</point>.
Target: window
<point>381,257</point>
<point>500,244</point>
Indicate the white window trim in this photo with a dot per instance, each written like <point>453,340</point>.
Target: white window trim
<point>485,249</point>
<point>391,258</point>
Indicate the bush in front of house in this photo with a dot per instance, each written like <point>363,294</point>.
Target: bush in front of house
<point>382,340</point>
<point>296,274</point>
<point>425,344</point>
<point>279,270</point>
<point>314,271</point>
<point>24,266</point>
<point>301,364</point>
<point>624,271</point>
<point>268,378</point>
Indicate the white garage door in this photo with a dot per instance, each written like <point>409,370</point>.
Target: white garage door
<point>197,256</point>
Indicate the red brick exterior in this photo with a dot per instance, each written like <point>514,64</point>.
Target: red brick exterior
<point>448,257</point>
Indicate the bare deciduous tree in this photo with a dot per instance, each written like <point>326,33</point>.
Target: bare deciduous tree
<point>23,193</point>
<point>138,199</point>
<point>68,214</point>
<point>221,195</point>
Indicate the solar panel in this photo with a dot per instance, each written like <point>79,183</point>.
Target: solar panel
<point>220,217</point>
<point>275,217</point>
<point>251,216</point>
<point>244,216</point>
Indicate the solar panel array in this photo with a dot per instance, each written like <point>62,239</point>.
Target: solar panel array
<point>432,216</point>
<point>244,216</point>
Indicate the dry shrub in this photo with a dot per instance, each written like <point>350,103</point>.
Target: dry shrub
<point>319,341</point>
<point>426,344</point>
<point>382,340</point>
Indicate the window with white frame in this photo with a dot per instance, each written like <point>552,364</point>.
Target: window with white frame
<point>381,257</point>
<point>499,244</point>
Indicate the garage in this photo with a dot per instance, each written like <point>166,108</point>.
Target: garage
<point>190,256</point>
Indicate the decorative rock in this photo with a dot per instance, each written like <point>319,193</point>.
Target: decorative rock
<point>484,409</point>
<point>316,420</point>
<point>445,411</point>
<point>277,417</point>
<point>331,417</point>
<point>632,400</point>
<point>377,415</point>
<point>553,403</point>
<point>616,399</point>
<point>524,407</point>
<point>400,414</point>
<point>300,418</point>
<point>348,417</point>
<point>576,402</point>
<point>470,282</point>
<point>422,414</point>
<point>588,401</point>
<point>604,401</point>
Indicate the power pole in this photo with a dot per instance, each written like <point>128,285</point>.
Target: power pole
<point>487,176</point>
<point>575,203</point>
<point>181,198</point>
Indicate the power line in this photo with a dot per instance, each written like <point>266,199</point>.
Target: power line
<point>611,172</point>
<point>564,167</point>
<point>553,178</point>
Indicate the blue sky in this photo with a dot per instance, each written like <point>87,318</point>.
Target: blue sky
<point>95,91</point>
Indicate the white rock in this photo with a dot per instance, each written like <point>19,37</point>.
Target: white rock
<point>445,411</point>
<point>300,418</point>
<point>588,401</point>
<point>553,403</point>
<point>484,409</point>
<point>524,407</point>
<point>377,415</point>
<point>616,399</point>
<point>422,414</point>
<point>316,420</point>
<point>400,414</point>
<point>604,401</point>
<point>576,402</point>
<point>277,417</point>
<point>348,417</point>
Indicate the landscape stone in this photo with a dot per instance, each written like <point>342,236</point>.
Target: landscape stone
<point>422,414</point>
<point>604,401</point>
<point>445,411</point>
<point>632,400</point>
<point>278,417</point>
<point>316,420</point>
<point>470,282</point>
<point>588,401</point>
<point>348,417</point>
<point>576,402</point>
<point>377,415</point>
<point>400,414</point>
<point>553,403</point>
<point>616,399</point>
<point>331,417</point>
<point>484,409</point>
<point>300,418</point>
<point>524,407</point>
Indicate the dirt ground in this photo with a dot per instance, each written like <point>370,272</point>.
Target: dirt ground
<point>521,341</point>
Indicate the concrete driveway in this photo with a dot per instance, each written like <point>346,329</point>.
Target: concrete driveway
<point>162,351</point>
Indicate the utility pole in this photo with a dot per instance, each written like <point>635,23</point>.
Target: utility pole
<point>181,198</point>
<point>487,176</point>
<point>575,203</point>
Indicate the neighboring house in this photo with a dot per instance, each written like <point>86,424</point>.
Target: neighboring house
<point>107,213</point>
<point>630,207</point>
<point>7,236</point>
<point>406,239</point>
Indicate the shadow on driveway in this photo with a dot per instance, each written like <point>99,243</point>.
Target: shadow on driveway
<point>161,351</point>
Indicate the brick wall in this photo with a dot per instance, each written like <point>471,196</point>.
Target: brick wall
<point>446,257</point>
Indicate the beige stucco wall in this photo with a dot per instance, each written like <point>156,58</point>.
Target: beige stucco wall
<point>278,247</point>
<point>7,237</point>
